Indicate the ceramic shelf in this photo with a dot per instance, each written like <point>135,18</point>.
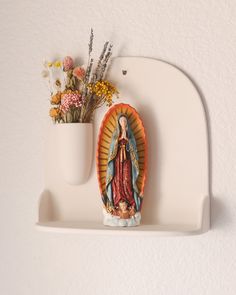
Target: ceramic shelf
<point>46,223</point>
<point>176,199</point>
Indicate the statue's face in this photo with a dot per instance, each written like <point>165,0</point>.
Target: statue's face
<point>123,122</point>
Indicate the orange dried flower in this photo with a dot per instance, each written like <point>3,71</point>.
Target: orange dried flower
<point>54,112</point>
<point>79,73</point>
<point>56,99</point>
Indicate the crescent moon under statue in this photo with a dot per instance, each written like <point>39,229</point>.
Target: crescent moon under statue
<point>122,165</point>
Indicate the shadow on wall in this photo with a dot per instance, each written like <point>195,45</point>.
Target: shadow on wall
<point>220,217</point>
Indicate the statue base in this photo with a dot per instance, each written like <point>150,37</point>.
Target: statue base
<point>112,220</point>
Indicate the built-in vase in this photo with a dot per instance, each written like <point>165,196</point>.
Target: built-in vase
<point>75,151</point>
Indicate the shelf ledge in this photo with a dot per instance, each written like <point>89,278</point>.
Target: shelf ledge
<point>95,228</point>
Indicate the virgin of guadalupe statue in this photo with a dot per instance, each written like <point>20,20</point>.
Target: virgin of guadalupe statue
<point>122,156</point>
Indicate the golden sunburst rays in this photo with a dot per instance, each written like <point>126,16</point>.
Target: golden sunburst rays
<point>106,131</point>
<point>105,135</point>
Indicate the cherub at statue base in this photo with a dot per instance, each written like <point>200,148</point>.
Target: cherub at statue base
<point>113,220</point>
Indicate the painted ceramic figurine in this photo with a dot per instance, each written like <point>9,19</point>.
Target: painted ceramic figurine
<point>121,165</point>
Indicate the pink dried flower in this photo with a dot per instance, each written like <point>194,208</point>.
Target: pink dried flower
<point>68,63</point>
<point>70,99</point>
<point>79,73</point>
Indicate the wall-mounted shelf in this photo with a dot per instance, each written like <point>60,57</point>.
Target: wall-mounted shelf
<point>177,190</point>
<point>88,226</point>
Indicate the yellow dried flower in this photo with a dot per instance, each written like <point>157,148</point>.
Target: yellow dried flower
<point>49,64</point>
<point>57,64</point>
<point>56,99</point>
<point>103,89</point>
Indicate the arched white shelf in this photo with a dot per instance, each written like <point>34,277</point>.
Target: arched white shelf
<point>176,200</point>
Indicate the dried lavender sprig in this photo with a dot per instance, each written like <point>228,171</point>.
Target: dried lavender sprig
<point>85,96</point>
<point>90,61</point>
<point>90,45</point>
<point>99,64</point>
<point>103,53</point>
<point>87,77</point>
<point>105,61</point>
<point>88,71</point>
<point>108,54</point>
<point>91,42</point>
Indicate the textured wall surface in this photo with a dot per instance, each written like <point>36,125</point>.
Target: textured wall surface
<point>197,36</point>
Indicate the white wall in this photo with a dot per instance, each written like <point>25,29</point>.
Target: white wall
<point>199,37</point>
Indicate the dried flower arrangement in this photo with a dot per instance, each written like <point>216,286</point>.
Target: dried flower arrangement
<point>77,91</point>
